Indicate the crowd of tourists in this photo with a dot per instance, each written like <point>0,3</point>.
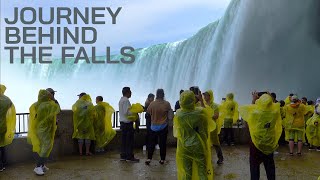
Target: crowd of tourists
<point>197,124</point>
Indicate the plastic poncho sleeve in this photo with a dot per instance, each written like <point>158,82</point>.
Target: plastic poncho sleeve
<point>193,155</point>
<point>7,120</point>
<point>84,116</point>
<point>264,125</point>
<point>103,127</point>
<point>211,111</point>
<point>313,130</point>
<point>42,125</point>
<point>309,112</point>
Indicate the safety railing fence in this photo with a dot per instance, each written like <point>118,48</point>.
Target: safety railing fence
<point>22,121</point>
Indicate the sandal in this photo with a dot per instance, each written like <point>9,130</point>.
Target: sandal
<point>161,161</point>
<point>148,161</point>
<point>291,154</point>
<point>89,154</point>
<point>299,154</point>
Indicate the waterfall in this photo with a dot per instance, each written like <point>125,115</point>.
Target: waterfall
<point>257,45</point>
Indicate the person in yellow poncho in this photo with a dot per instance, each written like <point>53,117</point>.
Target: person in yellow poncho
<point>209,102</point>
<point>264,121</point>
<point>7,124</point>
<point>294,123</point>
<point>192,127</point>
<point>102,126</point>
<point>42,128</point>
<point>313,129</point>
<point>84,115</point>
<point>308,115</point>
<point>229,115</point>
<point>288,99</point>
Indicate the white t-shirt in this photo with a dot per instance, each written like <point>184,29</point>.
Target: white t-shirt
<point>124,106</point>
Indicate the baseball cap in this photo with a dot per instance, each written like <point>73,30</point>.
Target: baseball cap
<point>51,90</point>
<point>82,94</point>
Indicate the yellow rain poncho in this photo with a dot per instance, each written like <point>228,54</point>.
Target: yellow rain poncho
<point>264,121</point>
<point>294,119</point>
<point>309,112</point>
<point>287,100</point>
<point>135,110</point>
<point>313,130</point>
<point>229,113</point>
<point>103,127</point>
<point>84,115</point>
<point>42,124</point>
<point>7,118</point>
<point>192,127</point>
<point>215,109</point>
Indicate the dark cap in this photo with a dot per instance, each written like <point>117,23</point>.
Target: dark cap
<point>50,90</point>
<point>82,94</point>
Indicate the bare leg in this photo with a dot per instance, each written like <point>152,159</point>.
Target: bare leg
<point>300,144</point>
<point>80,148</point>
<point>88,148</point>
<point>291,145</point>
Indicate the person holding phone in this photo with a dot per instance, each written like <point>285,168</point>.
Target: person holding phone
<point>264,122</point>
<point>294,124</point>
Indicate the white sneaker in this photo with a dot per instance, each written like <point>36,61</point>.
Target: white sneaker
<point>44,168</point>
<point>144,148</point>
<point>38,171</point>
<point>157,146</point>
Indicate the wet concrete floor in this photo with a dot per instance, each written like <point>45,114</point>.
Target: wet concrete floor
<point>108,166</point>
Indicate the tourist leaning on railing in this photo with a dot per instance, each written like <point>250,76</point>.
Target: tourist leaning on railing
<point>161,113</point>
<point>53,92</point>
<point>148,120</point>
<point>102,125</point>
<point>230,115</point>
<point>84,116</point>
<point>126,126</point>
<point>7,124</point>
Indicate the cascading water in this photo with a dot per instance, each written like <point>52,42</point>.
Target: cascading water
<point>275,47</point>
<point>256,45</point>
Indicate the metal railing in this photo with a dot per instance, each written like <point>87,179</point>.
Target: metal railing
<point>23,121</point>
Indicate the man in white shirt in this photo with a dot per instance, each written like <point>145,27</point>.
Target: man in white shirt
<point>126,127</point>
